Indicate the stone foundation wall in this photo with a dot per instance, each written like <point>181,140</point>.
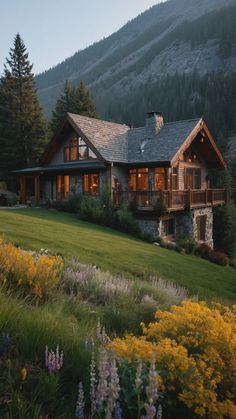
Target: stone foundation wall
<point>186,224</point>
<point>209,223</point>
<point>150,227</point>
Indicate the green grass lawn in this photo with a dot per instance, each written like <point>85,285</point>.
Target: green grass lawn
<point>110,250</point>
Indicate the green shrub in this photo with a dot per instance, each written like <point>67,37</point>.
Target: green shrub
<point>126,222</point>
<point>74,202</point>
<point>224,229</point>
<point>11,200</point>
<point>219,258</point>
<point>159,208</point>
<point>214,256</point>
<point>188,244</point>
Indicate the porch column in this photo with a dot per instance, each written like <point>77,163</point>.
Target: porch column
<point>37,189</point>
<point>23,189</point>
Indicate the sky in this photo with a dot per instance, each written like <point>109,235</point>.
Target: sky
<point>53,30</point>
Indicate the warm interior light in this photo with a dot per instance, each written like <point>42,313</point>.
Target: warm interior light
<point>139,175</point>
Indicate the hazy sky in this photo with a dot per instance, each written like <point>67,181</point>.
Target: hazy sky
<point>55,29</point>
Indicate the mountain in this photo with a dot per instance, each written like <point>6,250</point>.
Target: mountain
<point>178,57</point>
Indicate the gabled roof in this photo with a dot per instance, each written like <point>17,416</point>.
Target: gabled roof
<point>119,143</point>
<point>163,146</point>
<point>109,138</point>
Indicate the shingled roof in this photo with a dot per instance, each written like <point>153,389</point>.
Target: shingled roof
<point>163,146</point>
<point>109,138</point>
<point>120,143</point>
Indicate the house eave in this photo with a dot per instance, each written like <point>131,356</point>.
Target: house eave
<point>63,168</point>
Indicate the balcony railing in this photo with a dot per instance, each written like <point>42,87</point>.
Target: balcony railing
<point>173,200</point>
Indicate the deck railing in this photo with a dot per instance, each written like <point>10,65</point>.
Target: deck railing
<point>180,199</point>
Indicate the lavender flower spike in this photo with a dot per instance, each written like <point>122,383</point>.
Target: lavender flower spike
<point>79,412</point>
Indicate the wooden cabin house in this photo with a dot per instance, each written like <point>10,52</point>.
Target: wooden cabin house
<point>160,162</point>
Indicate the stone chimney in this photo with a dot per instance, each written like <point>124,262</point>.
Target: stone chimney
<point>154,123</point>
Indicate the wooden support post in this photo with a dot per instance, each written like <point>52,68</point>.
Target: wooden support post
<point>36,190</point>
<point>189,199</point>
<point>23,191</point>
<point>206,196</point>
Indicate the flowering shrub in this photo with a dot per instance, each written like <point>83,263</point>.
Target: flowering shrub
<point>30,273</point>
<point>195,350</point>
<point>53,360</point>
<point>214,256</point>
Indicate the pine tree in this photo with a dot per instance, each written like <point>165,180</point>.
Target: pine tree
<point>74,100</point>
<point>22,124</point>
<point>86,106</point>
<point>65,103</point>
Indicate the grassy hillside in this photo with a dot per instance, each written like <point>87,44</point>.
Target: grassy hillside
<point>109,250</point>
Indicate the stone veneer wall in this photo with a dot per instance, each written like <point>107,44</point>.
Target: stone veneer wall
<point>186,225</point>
<point>150,227</point>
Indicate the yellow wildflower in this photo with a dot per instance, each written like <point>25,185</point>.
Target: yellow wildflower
<point>23,374</point>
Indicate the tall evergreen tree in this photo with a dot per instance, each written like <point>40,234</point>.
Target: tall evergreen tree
<point>22,124</point>
<point>75,100</point>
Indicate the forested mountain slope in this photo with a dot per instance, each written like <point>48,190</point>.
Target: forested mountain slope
<point>178,57</point>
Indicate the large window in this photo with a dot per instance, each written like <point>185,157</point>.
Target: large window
<point>91,184</point>
<point>193,178</point>
<point>138,179</point>
<point>78,150</point>
<point>160,179</point>
<point>63,187</point>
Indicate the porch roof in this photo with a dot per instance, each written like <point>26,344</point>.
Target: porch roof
<point>68,167</point>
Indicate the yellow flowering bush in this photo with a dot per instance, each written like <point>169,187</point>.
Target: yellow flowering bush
<point>195,349</point>
<point>27,272</point>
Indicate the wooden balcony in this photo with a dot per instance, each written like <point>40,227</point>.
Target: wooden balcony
<point>173,200</point>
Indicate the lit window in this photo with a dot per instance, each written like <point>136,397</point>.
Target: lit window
<point>63,187</point>
<point>138,179</point>
<point>78,150</point>
<point>91,184</point>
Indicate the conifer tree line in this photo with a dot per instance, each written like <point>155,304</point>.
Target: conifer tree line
<point>75,100</point>
<point>24,131</point>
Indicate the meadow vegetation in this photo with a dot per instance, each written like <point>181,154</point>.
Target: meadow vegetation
<point>76,341</point>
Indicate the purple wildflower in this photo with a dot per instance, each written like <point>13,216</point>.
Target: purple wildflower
<point>113,389</point>
<point>103,373</point>
<point>79,412</point>
<point>118,411</point>
<point>53,360</point>
<point>5,343</point>
<point>93,384</point>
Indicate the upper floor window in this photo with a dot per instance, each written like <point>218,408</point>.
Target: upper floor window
<point>138,179</point>
<point>78,150</point>
<point>193,178</point>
